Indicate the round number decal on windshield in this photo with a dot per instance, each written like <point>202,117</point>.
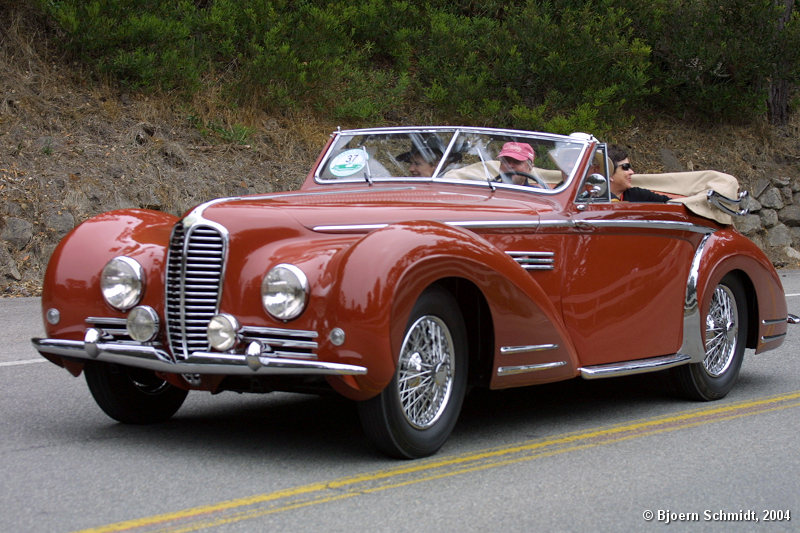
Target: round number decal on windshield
<point>348,163</point>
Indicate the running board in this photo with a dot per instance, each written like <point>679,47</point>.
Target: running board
<point>638,366</point>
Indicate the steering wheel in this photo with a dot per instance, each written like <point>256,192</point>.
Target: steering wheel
<point>505,177</point>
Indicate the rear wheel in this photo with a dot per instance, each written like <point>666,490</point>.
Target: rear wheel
<point>725,337</point>
<point>416,412</point>
<point>132,395</point>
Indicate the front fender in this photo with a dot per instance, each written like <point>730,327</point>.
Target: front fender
<point>72,280</point>
<point>381,276</point>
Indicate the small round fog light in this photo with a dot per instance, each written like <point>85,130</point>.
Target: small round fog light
<point>142,323</point>
<point>53,316</point>
<point>337,336</point>
<point>221,332</point>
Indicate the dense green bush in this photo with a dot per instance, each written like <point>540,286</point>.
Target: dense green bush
<point>559,65</point>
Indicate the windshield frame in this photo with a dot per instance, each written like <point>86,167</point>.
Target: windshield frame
<point>456,134</point>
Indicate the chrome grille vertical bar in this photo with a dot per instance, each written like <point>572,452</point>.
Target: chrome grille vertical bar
<point>195,268</point>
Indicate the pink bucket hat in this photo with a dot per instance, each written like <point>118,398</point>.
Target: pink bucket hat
<point>518,151</point>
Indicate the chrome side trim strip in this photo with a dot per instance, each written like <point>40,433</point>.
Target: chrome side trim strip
<point>793,319</point>
<point>769,338</point>
<point>158,360</point>
<point>534,260</point>
<point>775,321</point>
<point>667,225</point>
<point>508,350</point>
<point>628,368</point>
<point>523,369</point>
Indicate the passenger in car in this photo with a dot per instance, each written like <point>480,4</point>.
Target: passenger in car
<point>621,186</point>
<point>424,156</point>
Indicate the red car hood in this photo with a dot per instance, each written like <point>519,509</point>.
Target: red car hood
<point>376,205</point>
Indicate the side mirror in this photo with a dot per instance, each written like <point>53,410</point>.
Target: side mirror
<point>595,187</point>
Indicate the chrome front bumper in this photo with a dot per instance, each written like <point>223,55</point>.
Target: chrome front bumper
<point>253,361</point>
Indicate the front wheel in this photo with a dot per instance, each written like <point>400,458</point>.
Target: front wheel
<point>416,412</point>
<point>132,395</point>
<point>725,337</point>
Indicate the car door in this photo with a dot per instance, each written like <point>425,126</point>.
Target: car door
<point>625,277</point>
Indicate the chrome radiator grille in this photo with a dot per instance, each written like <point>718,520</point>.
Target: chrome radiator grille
<point>195,265</point>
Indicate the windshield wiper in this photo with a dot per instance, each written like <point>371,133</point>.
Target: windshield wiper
<point>367,171</point>
<point>489,179</point>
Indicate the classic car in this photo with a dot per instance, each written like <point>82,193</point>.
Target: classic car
<point>411,266</point>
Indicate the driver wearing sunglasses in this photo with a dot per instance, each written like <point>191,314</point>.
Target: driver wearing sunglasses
<point>621,186</point>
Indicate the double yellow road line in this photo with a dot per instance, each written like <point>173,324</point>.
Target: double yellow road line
<point>410,473</point>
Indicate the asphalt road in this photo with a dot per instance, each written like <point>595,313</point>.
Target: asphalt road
<point>575,456</point>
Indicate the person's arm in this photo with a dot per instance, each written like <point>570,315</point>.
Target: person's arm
<point>638,194</point>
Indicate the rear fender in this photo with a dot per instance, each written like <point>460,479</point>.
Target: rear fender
<point>728,251</point>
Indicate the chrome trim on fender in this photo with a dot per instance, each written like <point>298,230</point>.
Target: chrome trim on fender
<point>629,368</point>
<point>158,360</point>
<point>693,343</point>
<point>534,260</point>
<point>769,338</point>
<point>793,319</point>
<point>508,350</point>
<point>774,321</point>
<point>522,369</point>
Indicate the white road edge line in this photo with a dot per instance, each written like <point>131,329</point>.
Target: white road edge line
<point>23,362</point>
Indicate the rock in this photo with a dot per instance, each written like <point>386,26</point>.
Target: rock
<point>769,217</point>
<point>8,267</point>
<point>790,215</point>
<point>759,187</point>
<point>779,236</point>
<point>771,198</point>
<point>60,223</point>
<point>748,224</point>
<point>791,253</point>
<point>751,204</point>
<point>670,161</point>
<point>17,231</point>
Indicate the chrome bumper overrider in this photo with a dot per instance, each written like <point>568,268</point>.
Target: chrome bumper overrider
<point>253,361</point>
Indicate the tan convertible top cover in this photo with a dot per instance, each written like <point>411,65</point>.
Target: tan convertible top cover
<point>693,187</point>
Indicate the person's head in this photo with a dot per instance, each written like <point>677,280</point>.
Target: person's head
<point>424,155</point>
<point>622,171</point>
<point>516,157</point>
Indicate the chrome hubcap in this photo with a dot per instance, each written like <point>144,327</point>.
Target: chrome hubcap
<point>425,371</point>
<point>722,331</point>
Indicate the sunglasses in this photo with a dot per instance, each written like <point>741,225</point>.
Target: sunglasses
<point>624,166</point>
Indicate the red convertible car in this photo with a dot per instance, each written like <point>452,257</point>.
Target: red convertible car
<point>413,264</point>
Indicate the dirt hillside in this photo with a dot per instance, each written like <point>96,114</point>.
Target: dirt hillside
<point>70,149</point>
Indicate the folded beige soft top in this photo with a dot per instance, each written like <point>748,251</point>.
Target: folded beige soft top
<point>693,187</point>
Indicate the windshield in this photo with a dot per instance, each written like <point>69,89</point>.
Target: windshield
<point>487,156</point>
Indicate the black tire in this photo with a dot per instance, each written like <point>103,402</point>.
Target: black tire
<point>132,395</point>
<point>725,339</point>
<point>416,412</point>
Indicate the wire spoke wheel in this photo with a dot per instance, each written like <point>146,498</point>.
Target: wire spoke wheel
<point>725,337</point>
<point>722,330</point>
<point>425,375</point>
<point>417,410</point>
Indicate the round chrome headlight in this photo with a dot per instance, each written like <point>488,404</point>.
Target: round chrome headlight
<point>122,282</point>
<point>284,292</point>
<point>221,331</point>
<point>142,323</point>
